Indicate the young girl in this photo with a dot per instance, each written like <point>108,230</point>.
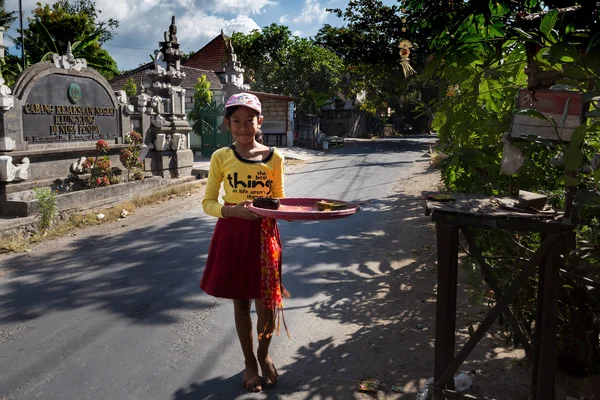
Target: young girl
<point>244,259</point>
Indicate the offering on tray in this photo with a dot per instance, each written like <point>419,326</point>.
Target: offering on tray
<point>369,385</point>
<point>265,202</point>
<point>305,208</point>
<point>323,205</point>
<point>440,197</point>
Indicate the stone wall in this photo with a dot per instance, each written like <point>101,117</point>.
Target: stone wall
<point>347,123</point>
<point>275,110</point>
<point>277,121</point>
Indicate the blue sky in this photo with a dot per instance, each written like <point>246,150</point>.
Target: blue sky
<point>142,22</point>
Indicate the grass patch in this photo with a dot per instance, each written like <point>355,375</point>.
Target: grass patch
<point>20,242</point>
<point>17,242</point>
<point>436,157</point>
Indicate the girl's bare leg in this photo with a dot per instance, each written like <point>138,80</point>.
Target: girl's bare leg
<point>243,326</point>
<point>265,325</point>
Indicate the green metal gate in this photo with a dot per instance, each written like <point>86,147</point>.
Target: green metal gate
<point>208,127</point>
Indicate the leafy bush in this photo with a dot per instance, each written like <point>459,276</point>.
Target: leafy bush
<point>483,65</point>
<point>130,87</point>
<point>130,156</point>
<point>47,206</point>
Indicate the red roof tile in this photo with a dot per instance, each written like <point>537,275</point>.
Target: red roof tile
<point>211,57</point>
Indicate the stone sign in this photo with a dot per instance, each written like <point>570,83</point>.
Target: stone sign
<point>66,108</point>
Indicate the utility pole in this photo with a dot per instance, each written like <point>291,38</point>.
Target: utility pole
<point>22,35</point>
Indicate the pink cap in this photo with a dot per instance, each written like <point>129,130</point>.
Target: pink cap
<point>244,99</point>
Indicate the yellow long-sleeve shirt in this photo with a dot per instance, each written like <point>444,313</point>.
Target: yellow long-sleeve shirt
<point>242,179</point>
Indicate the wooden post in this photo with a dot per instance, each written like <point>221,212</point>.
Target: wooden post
<point>445,319</point>
<point>546,357</point>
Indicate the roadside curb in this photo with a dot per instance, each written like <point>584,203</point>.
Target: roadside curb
<point>10,225</point>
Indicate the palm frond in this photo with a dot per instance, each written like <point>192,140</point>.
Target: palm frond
<point>47,39</point>
<point>84,43</point>
<point>47,56</point>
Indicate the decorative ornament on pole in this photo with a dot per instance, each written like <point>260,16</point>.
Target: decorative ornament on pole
<point>405,46</point>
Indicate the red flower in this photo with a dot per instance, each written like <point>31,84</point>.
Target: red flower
<point>125,156</point>
<point>101,145</point>
<point>88,163</point>
<point>135,137</point>
<point>102,181</point>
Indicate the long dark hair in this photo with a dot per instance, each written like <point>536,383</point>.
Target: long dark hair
<point>229,111</point>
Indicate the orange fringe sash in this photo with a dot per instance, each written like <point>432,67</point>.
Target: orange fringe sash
<point>272,289</point>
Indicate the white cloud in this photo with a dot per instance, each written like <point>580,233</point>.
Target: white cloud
<point>196,25</point>
<point>142,23</point>
<point>128,11</point>
<point>138,10</point>
<point>240,6</point>
<point>311,11</point>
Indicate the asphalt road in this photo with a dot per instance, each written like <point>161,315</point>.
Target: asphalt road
<point>121,316</point>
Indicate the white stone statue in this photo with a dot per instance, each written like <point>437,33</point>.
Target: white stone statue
<point>160,143</point>
<point>10,172</point>
<point>142,102</point>
<point>77,166</point>
<point>158,121</point>
<point>7,101</point>
<point>176,141</point>
<point>68,61</point>
<point>7,144</point>
<point>155,104</point>
<point>121,97</point>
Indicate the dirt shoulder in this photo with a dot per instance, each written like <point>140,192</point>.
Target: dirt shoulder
<point>498,370</point>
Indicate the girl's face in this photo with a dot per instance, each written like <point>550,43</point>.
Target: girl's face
<point>243,124</point>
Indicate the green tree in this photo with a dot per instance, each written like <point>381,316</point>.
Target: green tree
<point>202,98</point>
<point>203,95</point>
<point>52,27</point>
<point>368,44</point>
<point>130,87</point>
<point>6,18</point>
<point>277,61</point>
<point>482,55</point>
<point>186,56</point>
<point>10,66</point>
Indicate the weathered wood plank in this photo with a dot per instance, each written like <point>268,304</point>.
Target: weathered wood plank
<point>551,103</point>
<point>546,382</point>
<point>571,121</point>
<point>445,319</point>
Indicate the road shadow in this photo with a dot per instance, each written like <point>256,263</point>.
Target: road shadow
<point>383,294</point>
<point>124,274</point>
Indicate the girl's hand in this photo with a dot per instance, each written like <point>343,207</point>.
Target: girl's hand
<point>240,210</point>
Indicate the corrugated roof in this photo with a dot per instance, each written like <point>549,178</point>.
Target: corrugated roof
<point>140,77</point>
<point>212,57</point>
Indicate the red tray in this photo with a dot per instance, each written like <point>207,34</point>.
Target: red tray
<point>301,208</point>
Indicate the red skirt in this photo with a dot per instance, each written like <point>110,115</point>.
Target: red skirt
<point>233,269</point>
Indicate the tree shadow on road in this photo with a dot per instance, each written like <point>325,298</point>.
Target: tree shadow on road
<point>383,295</point>
<point>376,283</point>
<point>124,274</point>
